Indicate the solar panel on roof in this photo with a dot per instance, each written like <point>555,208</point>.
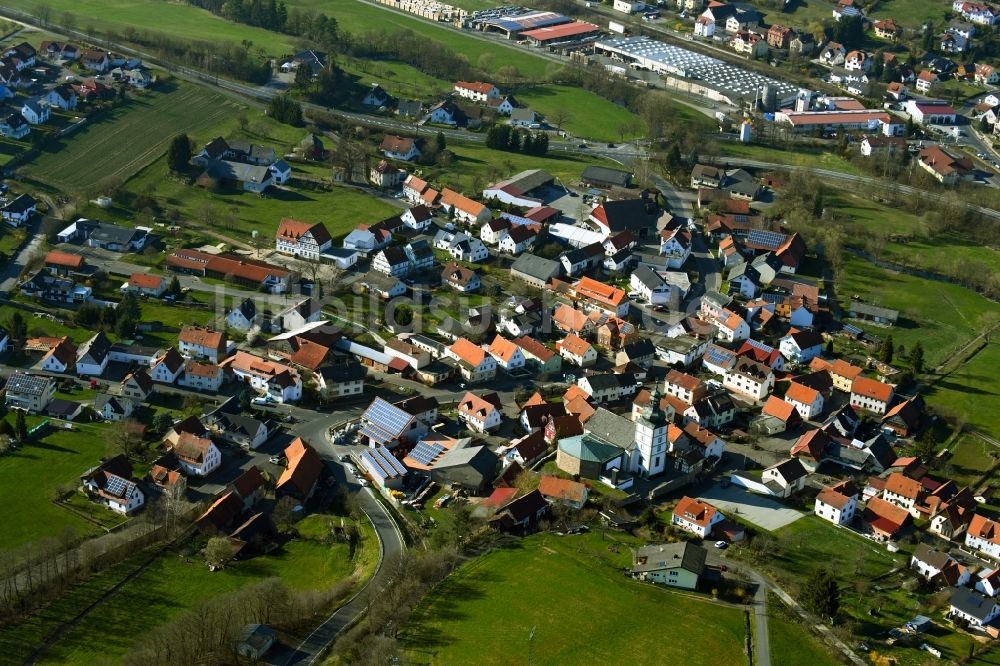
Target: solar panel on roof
<point>760,345</point>
<point>385,418</point>
<point>852,329</point>
<point>718,356</point>
<point>425,453</point>
<point>764,238</point>
<point>773,298</point>
<point>116,486</point>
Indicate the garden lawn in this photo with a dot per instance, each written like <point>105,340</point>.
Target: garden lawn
<point>590,116</point>
<point>810,544</point>
<point>578,605</point>
<point>942,316</point>
<point>30,475</point>
<point>130,136</point>
<point>174,584</point>
<point>972,391</point>
<point>176,19</point>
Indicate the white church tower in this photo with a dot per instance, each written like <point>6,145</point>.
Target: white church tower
<point>651,437</point>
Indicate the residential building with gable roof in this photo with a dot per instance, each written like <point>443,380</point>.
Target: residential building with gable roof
<point>302,239</point>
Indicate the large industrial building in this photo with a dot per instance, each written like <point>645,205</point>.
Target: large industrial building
<point>699,74</point>
<point>513,26</point>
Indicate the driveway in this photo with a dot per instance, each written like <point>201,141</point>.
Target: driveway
<point>760,511</point>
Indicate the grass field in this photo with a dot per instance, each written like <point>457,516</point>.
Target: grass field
<point>131,136</point>
<point>175,583</point>
<point>791,643</point>
<point>816,159</point>
<point>571,591</point>
<point>482,164</point>
<point>177,19</point>
<point>943,253</point>
<point>810,543</point>
<point>941,316</point>
<point>238,214</point>
<point>972,391</point>
<point>30,476</point>
<point>590,116</point>
<point>970,459</point>
<point>356,17</point>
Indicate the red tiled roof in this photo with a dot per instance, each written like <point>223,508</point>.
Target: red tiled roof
<point>871,388</point>
<point>694,511</point>
<point>66,259</point>
<point>562,489</point>
<point>145,281</point>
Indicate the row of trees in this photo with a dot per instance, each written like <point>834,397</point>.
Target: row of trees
<point>285,109</point>
<point>316,27</point>
<point>505,137</point>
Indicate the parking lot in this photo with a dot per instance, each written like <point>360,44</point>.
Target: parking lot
<point>761,511</point>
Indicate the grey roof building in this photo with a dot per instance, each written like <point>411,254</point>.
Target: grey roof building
<point>472,467</point>
<point>535,270</point>
<point>605,178</point>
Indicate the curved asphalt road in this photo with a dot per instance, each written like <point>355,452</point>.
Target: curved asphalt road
<point>390,545</point>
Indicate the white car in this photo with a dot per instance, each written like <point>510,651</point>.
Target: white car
<point>721,544</point>
<point>259,402</point>
<point>363,482</point>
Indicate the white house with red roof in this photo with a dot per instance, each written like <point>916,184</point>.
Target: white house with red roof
<point>577,351</point>
<point>871,395</point>
<point>202,342</point>
<point>983,535</point>
<point>837,504</point>
<point>731,327</point>
<point>474,364</point>
<point>302,239</point>
<point>507,354</point>
<point>696,517</point>
<point>808,402</point>
<point>480,413</point>
<point>477,91</point>
<point>145,284</point>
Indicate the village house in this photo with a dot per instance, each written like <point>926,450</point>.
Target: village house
<point>837,504</point>
<point>114,408</point>
<point>137,385</point>
<point>696,517</point>
<point>112,485</point>
<point>402,148</point>
<point>477,91</point>
<point>460,278</point>
<point>507,353</point>
<point>146,284</point>
<point>474,364</point>
<point>302,239</point>
<point>983,535</point>
<point>168,367</point>
<point>577,351</point>
<point>749,378</point>
<point>30,393</point>
<point>871,395</point>
<point>280,383</point>
<point>201,342</point>
<point>679,564</point>
<point>808,402</point>
<point>480,413</point>
<point>201,376</point>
